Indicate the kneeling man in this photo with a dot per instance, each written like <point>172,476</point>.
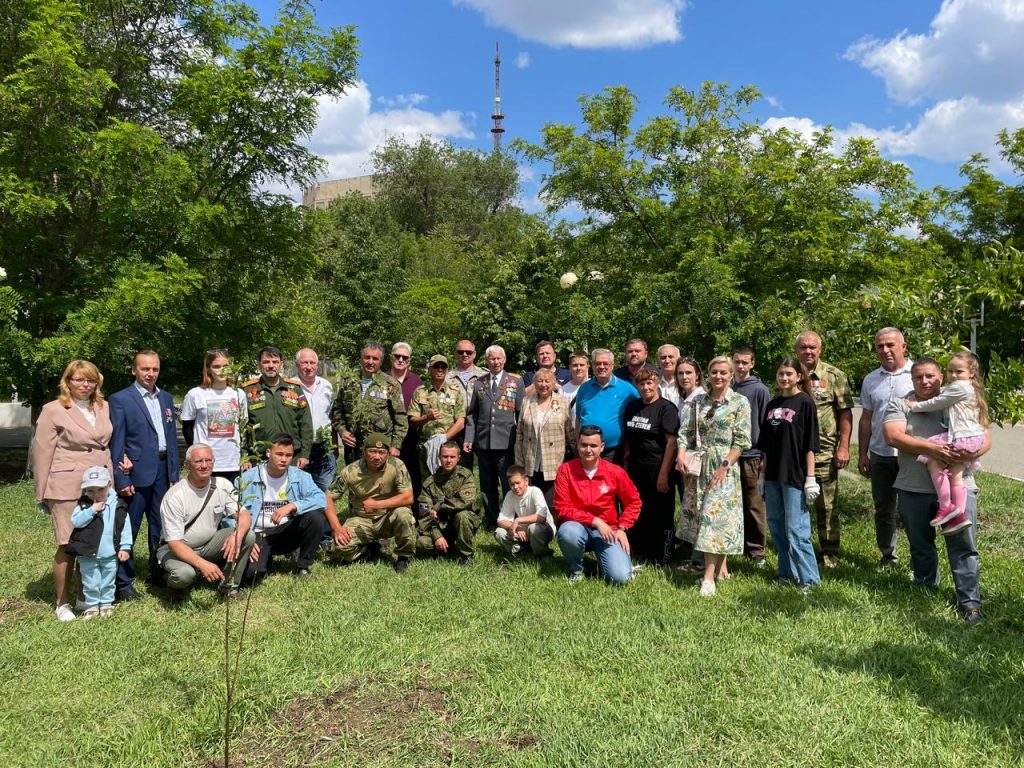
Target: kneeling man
<point>448,512</point>
<point>196,539</point>
<point>287,509</point>
<point>381,496</point>
<point>588,490</point>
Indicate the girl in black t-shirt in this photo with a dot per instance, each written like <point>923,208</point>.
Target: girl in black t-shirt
<point>788,441</point>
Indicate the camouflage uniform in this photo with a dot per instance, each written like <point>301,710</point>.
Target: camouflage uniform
<point>381,409</point>
<point>453,496</point>
<point>831,393</point>
<point>368,527</point>
<point>281,408</point>
<point>449,401</point>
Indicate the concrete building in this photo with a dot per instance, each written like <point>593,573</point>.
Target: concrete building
<point>320,195</point>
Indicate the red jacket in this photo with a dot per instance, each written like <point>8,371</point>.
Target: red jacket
<point>580,498</point>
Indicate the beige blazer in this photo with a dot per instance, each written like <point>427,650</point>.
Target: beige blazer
<point>65,446</point>
<point>555,435</point>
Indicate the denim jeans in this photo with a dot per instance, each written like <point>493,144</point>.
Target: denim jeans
<point>917,510</point>
<point>322,465</point>
<point>790,525</point>
<point>574,540</point>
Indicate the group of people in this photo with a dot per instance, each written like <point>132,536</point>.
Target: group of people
<point>591,456</point>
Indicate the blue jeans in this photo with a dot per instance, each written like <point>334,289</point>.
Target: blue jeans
<point>574,540</point>
<point>917,510</point>
<point>790,526</point>
<point>322,465</point>
<point>98,576</point>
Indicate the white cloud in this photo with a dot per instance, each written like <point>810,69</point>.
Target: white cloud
<point>402,100</point>
<point>973,47</point>
<point>522,60</point>
<point>586,23</point>
<point>349,130</point>
<point>773,102</point>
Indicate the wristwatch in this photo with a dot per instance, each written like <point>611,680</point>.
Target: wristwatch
<point>725,463</point>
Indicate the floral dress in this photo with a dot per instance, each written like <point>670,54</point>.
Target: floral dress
<point>712,519</point>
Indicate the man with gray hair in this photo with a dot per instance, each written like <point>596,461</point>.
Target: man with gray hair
<point>401,360</point>
<point>373,403</point>
<point>319,394</point>
<point>891,380</point>
<point>492,414</point>
<point>668,358</point>
<point>834,403</point>
<point>196,542</point>
<point>601,402</point>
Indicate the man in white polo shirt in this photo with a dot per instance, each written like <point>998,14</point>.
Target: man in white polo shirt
<point>889,381</point>
<point>319,394</point>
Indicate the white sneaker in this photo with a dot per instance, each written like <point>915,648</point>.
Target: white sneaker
<point>707,588</point>
<point>106,611</point>
<point>64,612</point>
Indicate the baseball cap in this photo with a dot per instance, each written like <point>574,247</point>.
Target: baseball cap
<point>437,359</point>
<point>95,477</point>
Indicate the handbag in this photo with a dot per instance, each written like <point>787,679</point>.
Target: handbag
<point>692,459</point>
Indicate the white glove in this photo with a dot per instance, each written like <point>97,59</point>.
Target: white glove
<point>760,486</point>
<point>811,490</point>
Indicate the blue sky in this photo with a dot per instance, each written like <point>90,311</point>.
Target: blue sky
<point>931,81</point>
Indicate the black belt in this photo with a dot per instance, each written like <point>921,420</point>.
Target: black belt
<point>162,455</point>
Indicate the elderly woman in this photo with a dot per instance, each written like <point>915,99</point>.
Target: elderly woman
<point>651,426</point>
<point>545,430</point>
<point>690,383</point>
<point>211,414</point>
<point>72,434</point>
<point>718,427</point>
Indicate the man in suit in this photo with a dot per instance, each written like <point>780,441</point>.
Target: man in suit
<point>143,419</point>
<point>491,419</point>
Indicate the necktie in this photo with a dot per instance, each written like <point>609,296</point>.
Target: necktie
<point>494,387</point>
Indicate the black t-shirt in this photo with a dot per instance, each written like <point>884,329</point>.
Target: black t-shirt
<point>647,428</point>
<point>788,432</point>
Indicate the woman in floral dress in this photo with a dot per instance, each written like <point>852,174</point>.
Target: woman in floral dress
<point>723,420</point>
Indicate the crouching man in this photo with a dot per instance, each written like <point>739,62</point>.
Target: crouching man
<point>286,507</point>
<point>197,540</point>
<point>448,512</point>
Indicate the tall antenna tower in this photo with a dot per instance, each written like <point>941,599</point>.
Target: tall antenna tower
<point>497,117</point>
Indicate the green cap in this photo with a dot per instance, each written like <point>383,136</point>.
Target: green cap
<point>377,440</point>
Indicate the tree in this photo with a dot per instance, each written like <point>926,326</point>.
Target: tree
<point>136,138</point>
<point>700,220</point>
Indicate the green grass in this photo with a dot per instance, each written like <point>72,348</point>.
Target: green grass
<point>506,664</point>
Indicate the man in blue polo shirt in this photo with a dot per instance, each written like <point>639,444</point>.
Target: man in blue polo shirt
<point>601,401</point>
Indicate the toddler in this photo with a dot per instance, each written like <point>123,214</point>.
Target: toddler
<point>100,539</point>
<point>966,419</point>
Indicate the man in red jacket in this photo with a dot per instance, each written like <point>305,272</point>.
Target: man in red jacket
<point>588,491</point>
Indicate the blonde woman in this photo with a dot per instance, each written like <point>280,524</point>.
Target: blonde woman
<point>721,416</point>
<point>545,430</point>
<point>72,434</point>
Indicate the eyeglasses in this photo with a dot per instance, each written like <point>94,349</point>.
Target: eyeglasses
<point>399,357</point>
<point>82,381</point>
<point>463,351</point>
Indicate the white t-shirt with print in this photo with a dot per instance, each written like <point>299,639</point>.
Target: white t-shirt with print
<point>216,413</point>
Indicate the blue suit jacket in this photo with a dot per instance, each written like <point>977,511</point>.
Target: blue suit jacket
<point>134,435</point>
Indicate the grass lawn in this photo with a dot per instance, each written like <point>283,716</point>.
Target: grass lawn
<point>506,664</point>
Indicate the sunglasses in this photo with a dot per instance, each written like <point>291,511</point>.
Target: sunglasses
<point>399,357</point>
<point>463,351</point>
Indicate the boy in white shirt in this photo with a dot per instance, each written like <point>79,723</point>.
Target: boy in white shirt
<point>524,516</point>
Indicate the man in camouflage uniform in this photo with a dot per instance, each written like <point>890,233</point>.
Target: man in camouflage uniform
<point>437,409</point>
<point>448,511</point>
<point>381,500</point>
<point>374,404</point>
<point>834,401</point>
<point>276,405</point>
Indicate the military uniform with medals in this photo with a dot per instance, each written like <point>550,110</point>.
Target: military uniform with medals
<point>449,401</point>
<point>281,408</point>
<point>380,409</point>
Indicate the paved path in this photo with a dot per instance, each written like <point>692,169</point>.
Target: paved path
<point>1006,456</point>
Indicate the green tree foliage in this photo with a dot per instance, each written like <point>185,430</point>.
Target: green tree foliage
<point>135,139</point>
<point>700,221</point>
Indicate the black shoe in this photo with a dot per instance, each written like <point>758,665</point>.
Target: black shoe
<point>176,596</point>
<point>372,552</point>
<point>127,594</point>
<point>301,573</point>
<point>973,615</point>
<point>401,565</point>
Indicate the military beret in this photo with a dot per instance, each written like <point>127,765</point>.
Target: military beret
<point>377,440</point>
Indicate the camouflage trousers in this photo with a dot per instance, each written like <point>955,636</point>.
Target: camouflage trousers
<point>827,507</point>
<point>458,532</point>
<point>398,524</point>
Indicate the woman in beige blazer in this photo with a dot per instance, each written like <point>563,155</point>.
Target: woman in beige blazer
<point>545,430</point>
<point>72,434</point>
